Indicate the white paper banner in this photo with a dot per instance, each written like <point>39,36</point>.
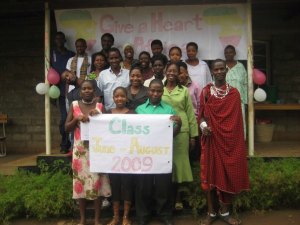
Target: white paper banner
<point>137,144</point>
<point>212,27</point>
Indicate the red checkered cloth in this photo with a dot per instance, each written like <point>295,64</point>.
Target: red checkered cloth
<point>224,150</point>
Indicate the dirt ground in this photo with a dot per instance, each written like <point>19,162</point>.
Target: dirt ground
<point>282,217</point>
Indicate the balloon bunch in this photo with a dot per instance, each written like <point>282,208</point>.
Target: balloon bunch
<point>43,88</point>
<point>259,78</point>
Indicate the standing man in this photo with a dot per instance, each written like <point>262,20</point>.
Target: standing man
<point>224,170</point>
<point>107,41</point>
<point>157,186</point>
<point>58,60</point>
<point>112,77</point>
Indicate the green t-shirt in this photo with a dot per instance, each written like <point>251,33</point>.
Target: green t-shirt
<point>161,108</point>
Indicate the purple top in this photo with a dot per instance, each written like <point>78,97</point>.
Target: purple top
<point>194,91</point>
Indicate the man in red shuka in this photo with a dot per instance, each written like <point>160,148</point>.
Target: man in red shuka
<point>224,170</point>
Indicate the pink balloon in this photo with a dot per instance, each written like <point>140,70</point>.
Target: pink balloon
<point>258,77</point>
<point>53,76</point>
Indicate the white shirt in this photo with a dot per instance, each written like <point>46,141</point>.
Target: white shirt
<point>107,83</point>
<point>147,82</point>
<point>200,74</point>
<point>79,64</point>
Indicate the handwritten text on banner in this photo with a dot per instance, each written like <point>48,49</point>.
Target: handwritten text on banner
<point>140,144</point>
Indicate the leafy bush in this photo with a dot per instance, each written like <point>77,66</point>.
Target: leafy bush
<point>48,194</point>
<point>274,184</point>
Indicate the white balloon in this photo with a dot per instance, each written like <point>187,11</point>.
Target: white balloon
<point>42,88</point>
<point>260,95</point>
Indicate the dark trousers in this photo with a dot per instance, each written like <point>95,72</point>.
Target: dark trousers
<point>121,186</point>
<point>153,191</point>
<point>65,143</point>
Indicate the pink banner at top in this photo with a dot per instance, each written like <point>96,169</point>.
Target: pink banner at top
<point>212,27</point>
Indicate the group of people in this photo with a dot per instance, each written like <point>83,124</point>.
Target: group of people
<point>207,108</point>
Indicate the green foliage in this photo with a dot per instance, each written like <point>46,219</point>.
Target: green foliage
<point>274,184</point>
<point>48,194</point>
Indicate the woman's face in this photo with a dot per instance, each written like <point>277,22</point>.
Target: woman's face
<point>120,98</point>
<point>128,52</point>
<point>172,73</point>
<point>183,76</point>
<point>229,54</point>
<point>144,60</point>
<point>136,78</point>
<point>191,52</point>
<point>175,55</point>
<point>99,62</point>
<point>87,91</point>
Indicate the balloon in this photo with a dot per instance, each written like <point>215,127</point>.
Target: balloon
<point>42,88</point>
<point>54,92</point>
<point>258,77</point>
<point>53,77</point>
<point>260,95</point>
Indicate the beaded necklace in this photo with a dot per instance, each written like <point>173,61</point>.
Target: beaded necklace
<point>218,92</point>
<point>87,103</point>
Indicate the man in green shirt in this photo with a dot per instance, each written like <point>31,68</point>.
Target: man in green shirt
<point>160,184</point>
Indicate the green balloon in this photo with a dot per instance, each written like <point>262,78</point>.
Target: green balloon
<point>54,92</point>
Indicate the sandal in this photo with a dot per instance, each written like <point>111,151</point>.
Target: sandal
<point>209,219</point>
<point>227,218</point>
<point>126,221</point>
<point>179,206</point>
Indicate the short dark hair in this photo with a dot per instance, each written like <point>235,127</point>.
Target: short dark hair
<point>135,66</point>
<point>216,61</point>
<point>92,82</point>
<point>159,57</point>
<point>80,40</point>
<point>194,44</point>
<point>182,64</point>
<point>157,42</point>
<point>61,34</point>
<point>108,35</point>
<point>230,46</point>
<point>156,81</point>
<point>175,47</point>
<point>114,49</point>
<point>145,53</point>
<point>120,88</point>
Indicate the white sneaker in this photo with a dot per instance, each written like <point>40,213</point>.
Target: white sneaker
<point>105,203</point>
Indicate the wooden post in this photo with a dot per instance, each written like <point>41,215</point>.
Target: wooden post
<point>250,81</point>
<point>47,65</point>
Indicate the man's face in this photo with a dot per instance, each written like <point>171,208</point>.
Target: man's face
<point>106,43</point>
<point>114,59</point>
<point>155,92</point>
<point>59,40</point>
<point>156,49</point>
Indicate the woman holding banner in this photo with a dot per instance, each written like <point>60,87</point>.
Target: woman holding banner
<point>86,185</point>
